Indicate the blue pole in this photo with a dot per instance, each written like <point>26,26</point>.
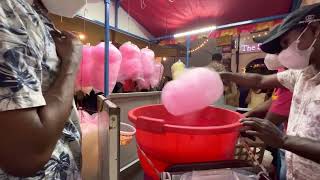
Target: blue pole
<point>188,50</point>
<point>107,39</point>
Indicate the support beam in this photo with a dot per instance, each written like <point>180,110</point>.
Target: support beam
<point>188,50</point>
<point>238,53</point>
<point>107,39</point>
<point>117,30</point>
<point>233,25</point>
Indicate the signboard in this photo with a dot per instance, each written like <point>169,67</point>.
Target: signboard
<point>224,41</point>
<point>226,49</point>
<point>250,48</point>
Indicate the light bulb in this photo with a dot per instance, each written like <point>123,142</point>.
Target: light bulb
<point>82,36</point>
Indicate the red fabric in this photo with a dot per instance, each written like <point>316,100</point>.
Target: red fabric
<point>281,100</point>
<point>162,17</point>
<point>129,86</point>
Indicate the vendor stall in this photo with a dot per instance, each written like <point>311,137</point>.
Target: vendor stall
<point>180,24</point>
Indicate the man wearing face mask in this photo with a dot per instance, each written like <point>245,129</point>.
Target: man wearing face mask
<point>296,43</point>
<point>39,137</point>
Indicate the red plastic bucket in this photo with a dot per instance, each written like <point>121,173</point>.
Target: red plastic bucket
<point>164,139</point>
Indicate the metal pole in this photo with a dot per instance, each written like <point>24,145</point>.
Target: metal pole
<point>107,39</point>
<point>188,50</point>
<point>238,53</point>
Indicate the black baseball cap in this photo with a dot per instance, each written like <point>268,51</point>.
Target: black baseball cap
<point>302,16</point>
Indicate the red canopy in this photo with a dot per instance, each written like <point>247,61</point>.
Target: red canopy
<point>163,17</point>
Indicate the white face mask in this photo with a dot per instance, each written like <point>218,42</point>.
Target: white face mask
<point>293,57</point>
<point>272,62</point>
<point>66,8</point>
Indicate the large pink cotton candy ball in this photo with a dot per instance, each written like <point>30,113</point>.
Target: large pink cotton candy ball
<point>84,75</point>
<point>129,51</point>
<point>131,67</point>
<point>194,90</point>
<point>115,59</point>
<point>90,152</point>
<point>157,75</point>
<point>147,61</point>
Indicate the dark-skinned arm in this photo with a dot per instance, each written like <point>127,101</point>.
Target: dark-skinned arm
<point>272,136</point>
<point>251,80</point>
<point>29,136</point>
<point>260,111</point>
<point>303,147</point>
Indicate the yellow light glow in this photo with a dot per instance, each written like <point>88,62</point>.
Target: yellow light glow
<point>82,36</point>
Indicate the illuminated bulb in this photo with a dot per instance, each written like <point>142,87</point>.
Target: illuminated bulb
<point>164,59</point>
<point>259,35</point>
<point>82,36</point>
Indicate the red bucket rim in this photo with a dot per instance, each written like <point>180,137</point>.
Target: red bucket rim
<point>185,129</point>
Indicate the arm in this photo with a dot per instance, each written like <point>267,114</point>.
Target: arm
<point>303,147</point>
<point>34,132</point>
<point>260,111</point>
<point>271,135</point>
<point>252,80</point>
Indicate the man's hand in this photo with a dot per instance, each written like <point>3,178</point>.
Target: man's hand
<point>265,130</point>
<point>69,50</point>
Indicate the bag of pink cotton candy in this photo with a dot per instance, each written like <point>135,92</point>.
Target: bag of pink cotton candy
<point>194,90</point>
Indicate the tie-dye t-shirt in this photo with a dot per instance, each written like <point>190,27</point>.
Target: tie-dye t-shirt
<point>28,66</point>
<point>304,118</point>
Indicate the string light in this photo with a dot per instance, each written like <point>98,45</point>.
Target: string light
<point>255,35</point>
<point>164,58</point>
<point>200,46</point>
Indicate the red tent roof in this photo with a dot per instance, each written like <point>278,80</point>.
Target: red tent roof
<point>163,17</point>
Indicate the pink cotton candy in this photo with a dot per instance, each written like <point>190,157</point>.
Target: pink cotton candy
<point>157,75</point>
<point>143,84</point>
<point>147,61</point>
<point>84,77</point>
<point>115,59</point>
<point>194,90</point>
<point>131,67</point>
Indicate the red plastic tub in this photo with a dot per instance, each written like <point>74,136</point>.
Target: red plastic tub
<point>164,139</point>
